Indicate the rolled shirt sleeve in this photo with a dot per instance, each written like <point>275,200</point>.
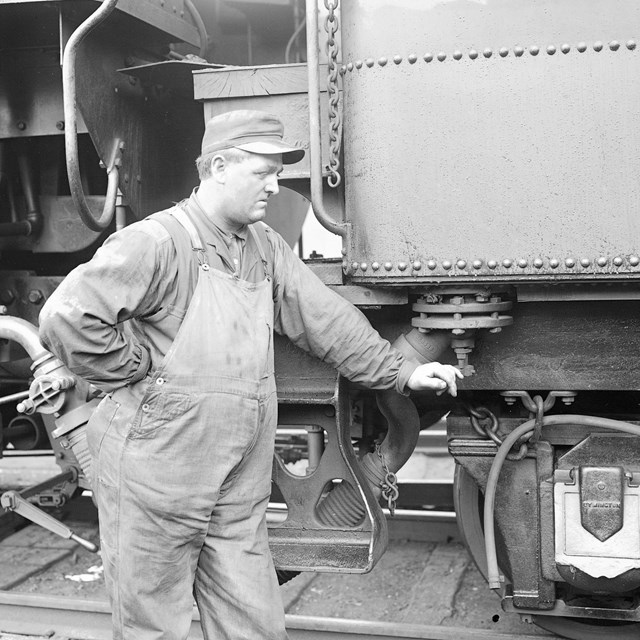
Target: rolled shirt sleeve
<point>321,322</point>
<point>82,322</point>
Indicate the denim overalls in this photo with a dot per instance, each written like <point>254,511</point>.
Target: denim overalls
<point>183,476</point>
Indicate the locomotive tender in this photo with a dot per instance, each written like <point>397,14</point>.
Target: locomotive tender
<point>479,161</point>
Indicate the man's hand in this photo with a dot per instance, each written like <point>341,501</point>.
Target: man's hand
<point>435,376</point>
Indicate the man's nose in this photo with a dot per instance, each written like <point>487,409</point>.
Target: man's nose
<point>272,185</point>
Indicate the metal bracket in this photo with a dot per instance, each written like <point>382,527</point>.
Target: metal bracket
<point>510,398</point>
<point>304,541</point>
<point>565,476</point>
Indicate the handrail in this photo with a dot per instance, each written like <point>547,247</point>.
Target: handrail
<point>315,132</point>
<point>202,29</point>
<point>71,128</point>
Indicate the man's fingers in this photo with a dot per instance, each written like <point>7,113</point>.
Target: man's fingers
<point>437,377</point>
<point>450,385</point>
<point>449,374</point>
<point>433,383</point>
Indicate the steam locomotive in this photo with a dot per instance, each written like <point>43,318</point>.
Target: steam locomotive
<point>478,161</point>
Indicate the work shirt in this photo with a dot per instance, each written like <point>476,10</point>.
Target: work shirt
<point>116,316</point>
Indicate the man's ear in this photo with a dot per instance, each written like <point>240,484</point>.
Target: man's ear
<point>219,169</point>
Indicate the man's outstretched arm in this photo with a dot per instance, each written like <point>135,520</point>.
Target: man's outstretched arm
<point>320,321</point>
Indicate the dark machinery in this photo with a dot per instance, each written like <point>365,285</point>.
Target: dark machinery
<point>479,161</point>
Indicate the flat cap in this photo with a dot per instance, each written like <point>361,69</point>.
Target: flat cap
<point>253,131</point>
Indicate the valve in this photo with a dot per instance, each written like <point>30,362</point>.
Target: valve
<point>46,394</point>
<point>462,311</point>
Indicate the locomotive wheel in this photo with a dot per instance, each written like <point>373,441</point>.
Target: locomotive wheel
<point>469,506</point>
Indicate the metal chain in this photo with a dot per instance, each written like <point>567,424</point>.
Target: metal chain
<point>389,486</point>
<point>335,121</point>
<point>486,424</point>
<point>538,415</point>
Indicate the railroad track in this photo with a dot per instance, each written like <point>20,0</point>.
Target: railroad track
<point>86,620</point>
<point>425,514</point>
<point>30,614</point>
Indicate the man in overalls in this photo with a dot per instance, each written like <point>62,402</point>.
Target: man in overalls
<point>173,319</point>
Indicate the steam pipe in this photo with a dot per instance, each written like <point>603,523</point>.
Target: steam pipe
<point>404,428</point>
<point>11,229</point>
<point>400,411</point>
<point>71,127</point>
<point>14,228</point>
<point>25,334</point>
<point>71,430</point>
<point>315,132</point>
<point>202,30</point>
<point>33,224</point>
<point>524,430</point>
<point>34,216</point>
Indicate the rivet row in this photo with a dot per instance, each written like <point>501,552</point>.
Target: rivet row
<point>507,263</point>
<point>503,52</point>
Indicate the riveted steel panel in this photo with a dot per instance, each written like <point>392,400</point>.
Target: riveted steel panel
<point>493,140</point>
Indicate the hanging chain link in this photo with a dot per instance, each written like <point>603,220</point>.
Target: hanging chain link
<point>389,486</point>
<point>335,121</point>
<point>486,424</point>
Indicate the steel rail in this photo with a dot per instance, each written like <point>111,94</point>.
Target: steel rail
<point>432,442</point>
<point>277,513</point>
<point>91,620</point>
<point>417,525</point>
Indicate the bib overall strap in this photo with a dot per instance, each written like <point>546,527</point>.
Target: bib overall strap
<point>196,243</point>
<point>260,236</point>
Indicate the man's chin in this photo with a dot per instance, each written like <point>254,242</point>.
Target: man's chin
<point>258,214</point>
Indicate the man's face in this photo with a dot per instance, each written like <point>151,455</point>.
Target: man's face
<point>248,185</point>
